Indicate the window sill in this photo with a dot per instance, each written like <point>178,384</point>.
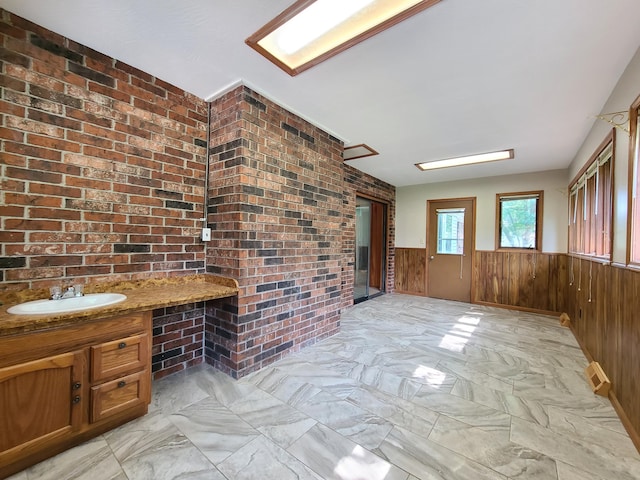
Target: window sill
<point>592,258</point>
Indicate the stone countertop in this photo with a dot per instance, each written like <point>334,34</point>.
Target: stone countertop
<point>141,295</point>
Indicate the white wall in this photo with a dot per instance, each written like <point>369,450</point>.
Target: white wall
<point>411,207</point>
<point>623,95</point>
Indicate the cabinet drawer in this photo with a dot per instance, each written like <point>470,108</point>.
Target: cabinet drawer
<point>120,356</point>
<point>118,395</point>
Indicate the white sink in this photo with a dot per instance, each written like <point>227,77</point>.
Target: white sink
<point>74,304</point>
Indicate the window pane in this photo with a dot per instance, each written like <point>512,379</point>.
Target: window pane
<point>450,232</point>
<point>518,223</point>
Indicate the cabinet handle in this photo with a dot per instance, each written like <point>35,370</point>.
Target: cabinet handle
<point>76,386</point>
<point>122,344</point>
<point>76,399</point>
<point>121,383</point>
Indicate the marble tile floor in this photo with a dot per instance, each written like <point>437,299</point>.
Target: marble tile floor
<point>411,388</point>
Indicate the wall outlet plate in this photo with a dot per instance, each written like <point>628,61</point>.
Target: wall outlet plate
<point>206,234</point>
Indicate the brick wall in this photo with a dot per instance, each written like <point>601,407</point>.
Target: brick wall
<point>102,165</point>
<point>276,207</point>
<point>101,175</point>
<point>102,179</point>
<point>356,182</point>
<point>178,338</point>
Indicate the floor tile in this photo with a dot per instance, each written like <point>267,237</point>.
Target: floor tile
<point>262,459</point>
<point>214,429</point>
<point>411,388</point>
<point>333,456</point>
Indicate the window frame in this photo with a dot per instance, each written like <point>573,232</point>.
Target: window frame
<point>539,212</point>
<point>633,207</point>
<point>583,240</point>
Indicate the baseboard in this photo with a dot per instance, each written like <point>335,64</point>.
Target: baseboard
<point>626,423</point>
<point>520,309</point>
<point>417,294</point>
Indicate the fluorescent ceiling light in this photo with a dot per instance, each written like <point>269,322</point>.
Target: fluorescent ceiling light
<point>311,31</point>
<point>467,160</point>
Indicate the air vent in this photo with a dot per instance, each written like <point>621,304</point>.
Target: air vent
<point>358,151</point>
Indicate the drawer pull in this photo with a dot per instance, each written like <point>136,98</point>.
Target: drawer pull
<point>76,399</point>
<point>122,344</point>
<point>121,383</point>
<point>76,386</point>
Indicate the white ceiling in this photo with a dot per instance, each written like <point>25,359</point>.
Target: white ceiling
<point>462,77</point>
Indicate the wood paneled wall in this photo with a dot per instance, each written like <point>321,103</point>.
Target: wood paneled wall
<point>410,270</point>
<point>532,281</point>
<point>603,303</point>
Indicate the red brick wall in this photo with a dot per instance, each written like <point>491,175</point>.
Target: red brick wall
<point>101,175</point>
<point>102,179</point>
<point>178,338</point>
<point>358,183</point>
<point>276,206</point>
<point>102,165</point>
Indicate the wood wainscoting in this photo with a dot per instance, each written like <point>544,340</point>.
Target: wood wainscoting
<point>521,280</point>
<point>410,270</point>
<point>603,303</point>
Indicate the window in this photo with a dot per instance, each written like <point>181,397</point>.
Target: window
<point>634,184</point>
<point>591,204</point>
<point>519,220</point>
<point>450,231</point>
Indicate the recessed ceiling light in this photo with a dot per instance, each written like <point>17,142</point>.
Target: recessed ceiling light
<point>358,151</point>
<point>467,160</point>
<point>311,31</point>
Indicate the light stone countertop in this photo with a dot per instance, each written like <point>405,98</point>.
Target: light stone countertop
<point>141,295</point>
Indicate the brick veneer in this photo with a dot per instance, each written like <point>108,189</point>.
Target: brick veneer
<point>102,179</point>
<point>102,165</point>
<point>276,207</point>
<point>102,176</point>
<point>356,182</point>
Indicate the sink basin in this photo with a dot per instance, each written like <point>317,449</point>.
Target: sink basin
<point>74,304</point>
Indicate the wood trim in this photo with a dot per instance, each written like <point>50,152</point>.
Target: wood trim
<point>624,419</point>
<point>633,128</point>
<point>518,308</point>
<point>360,145</point>
<point>539,221</point>
<point>299,6</point>
<point>610,138</point>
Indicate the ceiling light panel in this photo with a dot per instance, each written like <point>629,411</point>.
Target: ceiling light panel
<point>310,31</point>
<point>467,160</point>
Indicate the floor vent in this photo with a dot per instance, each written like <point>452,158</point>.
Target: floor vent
<point>598,380</point>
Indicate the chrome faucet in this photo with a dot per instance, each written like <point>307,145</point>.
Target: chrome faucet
<point>71,292</point>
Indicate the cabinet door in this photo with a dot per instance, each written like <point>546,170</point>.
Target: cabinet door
<point>40,403</point>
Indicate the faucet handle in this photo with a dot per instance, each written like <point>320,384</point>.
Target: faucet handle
<point>55,292</point>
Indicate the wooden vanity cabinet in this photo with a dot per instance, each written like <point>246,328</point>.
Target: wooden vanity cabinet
<point>62,386</point>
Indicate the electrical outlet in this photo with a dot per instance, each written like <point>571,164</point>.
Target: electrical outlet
<point>206,234</point>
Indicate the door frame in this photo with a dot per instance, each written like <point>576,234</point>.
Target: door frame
<point>385,244</point>
<point>473,242</point>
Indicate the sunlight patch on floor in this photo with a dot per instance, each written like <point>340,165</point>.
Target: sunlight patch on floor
<point>361,464</point>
